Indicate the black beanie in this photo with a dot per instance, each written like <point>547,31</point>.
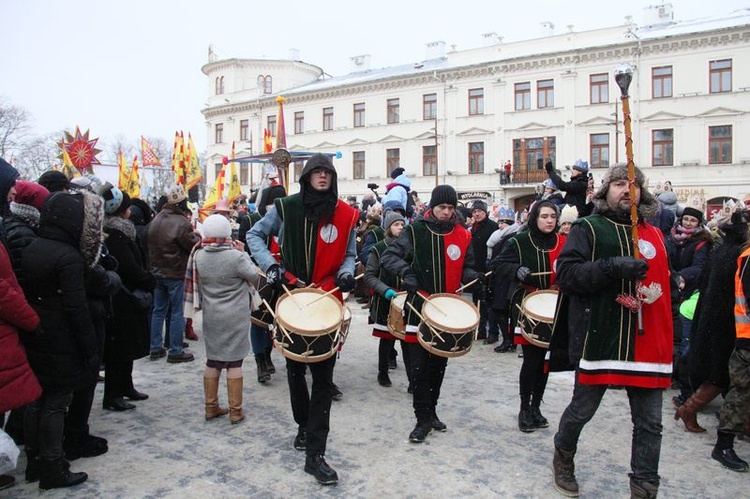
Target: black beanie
<point>479,205</point>
<point>269,196</point>
<point>692,212</point>
<point>54,181</point>
<point>443,194</point>
<point>396,172</point>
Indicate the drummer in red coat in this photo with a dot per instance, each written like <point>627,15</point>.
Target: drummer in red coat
<point>432,255</point>
<point>317,237</point>
<point>529,258</point>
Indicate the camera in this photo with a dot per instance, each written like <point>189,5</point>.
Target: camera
<point>372,186</point>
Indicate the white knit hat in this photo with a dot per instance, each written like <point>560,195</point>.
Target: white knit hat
<point>216,226</point>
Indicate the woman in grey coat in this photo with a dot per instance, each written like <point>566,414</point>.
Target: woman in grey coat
<point>221,280</point>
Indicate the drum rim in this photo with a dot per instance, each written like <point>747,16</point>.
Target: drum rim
<point>310,332</point>
<point>437,351</point>
<point>446,328</point>
<point>548,320</point>
<point>392,307</point>
<point>531,339</point>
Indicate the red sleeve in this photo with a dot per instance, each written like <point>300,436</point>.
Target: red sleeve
<point>14,309</point>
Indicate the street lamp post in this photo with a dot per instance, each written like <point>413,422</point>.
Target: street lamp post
<point>436,151</point>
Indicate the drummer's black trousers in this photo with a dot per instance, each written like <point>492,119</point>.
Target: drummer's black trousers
<point>312,410</point>
<point>427,372</point>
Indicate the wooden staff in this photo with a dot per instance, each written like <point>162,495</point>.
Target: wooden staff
<point>623,77</point>
<point>486,274</point>
<point>360,276</point>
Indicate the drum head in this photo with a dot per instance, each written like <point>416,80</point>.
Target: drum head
<point>540,305</point>
<point>398,301</point>
<point>297,312</point>
<point>447,312</point>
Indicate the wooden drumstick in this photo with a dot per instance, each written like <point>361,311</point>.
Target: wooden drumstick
<point>283,331</point>
<point>486,274</point>
<point>291,296</point>
<point>541,273</point>
<point>428,302</point>
<point>331,291</point>
<point>427,323</point>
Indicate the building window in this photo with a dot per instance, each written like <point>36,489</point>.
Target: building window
<point>393,111</point>
<point>359,114</point>
<point>265,83</point>
<point>217,169</point>
<point>662,147</point>
<point>721,76</point>
<point>476,101</point>
<point>392,160</point>
<point>599,86</point>
<point>358,163</point>
<point>523,96</point>
<point>661,82</point>
<point>244,129</point>
<point>429,106</point>
<point>299,122</point>
<point>219,85</point>
<point>599,150</point>
<point>327,118</point>
<point>243,173</point>
<point>720,145</point>
<point>429,160</point>
<point>271,122</point>
<point>529,156</point>
<point>219,133</point>
<point>476,157</point>
<point>545,93</point>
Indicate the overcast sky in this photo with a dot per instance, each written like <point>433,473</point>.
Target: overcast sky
<point>134,67</point>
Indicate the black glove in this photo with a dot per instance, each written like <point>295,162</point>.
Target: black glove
<point>624,267</point>
<point>523,273</point>
<point>548,166</point>
<point>276,276</point>
<point>345,282</point>
<point>410,282</point>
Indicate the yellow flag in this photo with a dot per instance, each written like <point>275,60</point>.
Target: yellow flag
<point>178,158</point>
<point>193,168</point>
<point>134,182</point>
<point>234,191</point>
<point>124,172</point>
<point>213,196</point>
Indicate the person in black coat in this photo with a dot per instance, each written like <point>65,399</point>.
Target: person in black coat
<point>65,354</point>
<point>127,329</point>
<point>481,230</point>
<point>575,190</point>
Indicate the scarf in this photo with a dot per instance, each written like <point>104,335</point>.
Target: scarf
<point>25,212</point>
<point>121,225</point>
<point>318,205</point>
<point>680,235</point>
<point>193,278</point>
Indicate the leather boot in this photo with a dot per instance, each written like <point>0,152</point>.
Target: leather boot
<point>56,474</point>
<point>643,490</point>
<point>189,333</point>
<point>269,363</point>
<point>539,421</point>
<point>564,469</point>
<point>32,465</point>
<point>211,391</point>
<point>234,387</point>
<point>525,419</point>
<point>689,410</point>
<point>263,374</point>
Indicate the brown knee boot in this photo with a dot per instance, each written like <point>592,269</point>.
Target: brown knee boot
<point>689,410</point>
<point>234,387</point>
<point>211,391</point>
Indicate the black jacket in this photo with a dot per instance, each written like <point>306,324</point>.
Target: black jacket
<point>575,192</point>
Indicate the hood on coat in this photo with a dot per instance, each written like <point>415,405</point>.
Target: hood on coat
<point>76,218</point>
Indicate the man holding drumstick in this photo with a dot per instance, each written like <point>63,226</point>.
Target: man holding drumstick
<point>434,255</point>
<point>316,233</point>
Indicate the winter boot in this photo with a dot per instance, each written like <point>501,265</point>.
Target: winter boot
<point>269,362</point>
<point>211,391</point>
<point>689,410</point>
<point>537,419</point>
<point>564,468</point>
<point>261,362</point>
<point>643,490</point>
<point>234,387</point>
<point>189,333</point>
<point>32,465</point>
<point>56,474</point>
<point>724,452</point>
<point>525,419</point>
<point>384,379</point>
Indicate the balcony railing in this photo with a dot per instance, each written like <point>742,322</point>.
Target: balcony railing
<point>528,177</point>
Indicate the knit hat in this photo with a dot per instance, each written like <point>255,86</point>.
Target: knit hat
<point>175,194</point>
<point>693,213</point>
<point>479,205</point>
<point>115,200</point>
<point>581,165</point>
<point>549,184</point>
<point>569,214</point>
<point>87,181</point>
<point>443,194</point>
<point>397,172</point>
<point>505,214</point>
<point>391,217</point>
<point>30,193</point>
<point>393,205</point>
<point>54,181</point>
<point>216,226</point>
<point>648,207</point>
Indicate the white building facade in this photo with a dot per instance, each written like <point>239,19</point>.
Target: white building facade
<point>459,116</point>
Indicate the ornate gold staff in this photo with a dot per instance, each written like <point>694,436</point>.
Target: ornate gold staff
<point>623,77</point>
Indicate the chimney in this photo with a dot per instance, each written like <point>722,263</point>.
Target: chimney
<point>490,39</point>
<point>294,55</point>
<point>360,62</point>
<point>548,29</point>
<point>435,50</point>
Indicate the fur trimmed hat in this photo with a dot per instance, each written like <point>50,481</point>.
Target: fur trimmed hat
<point>443,194</point>
<point>216,227</point>
<point>648,206</point>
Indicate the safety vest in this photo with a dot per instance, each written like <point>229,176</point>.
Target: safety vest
<point>741,317</point>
